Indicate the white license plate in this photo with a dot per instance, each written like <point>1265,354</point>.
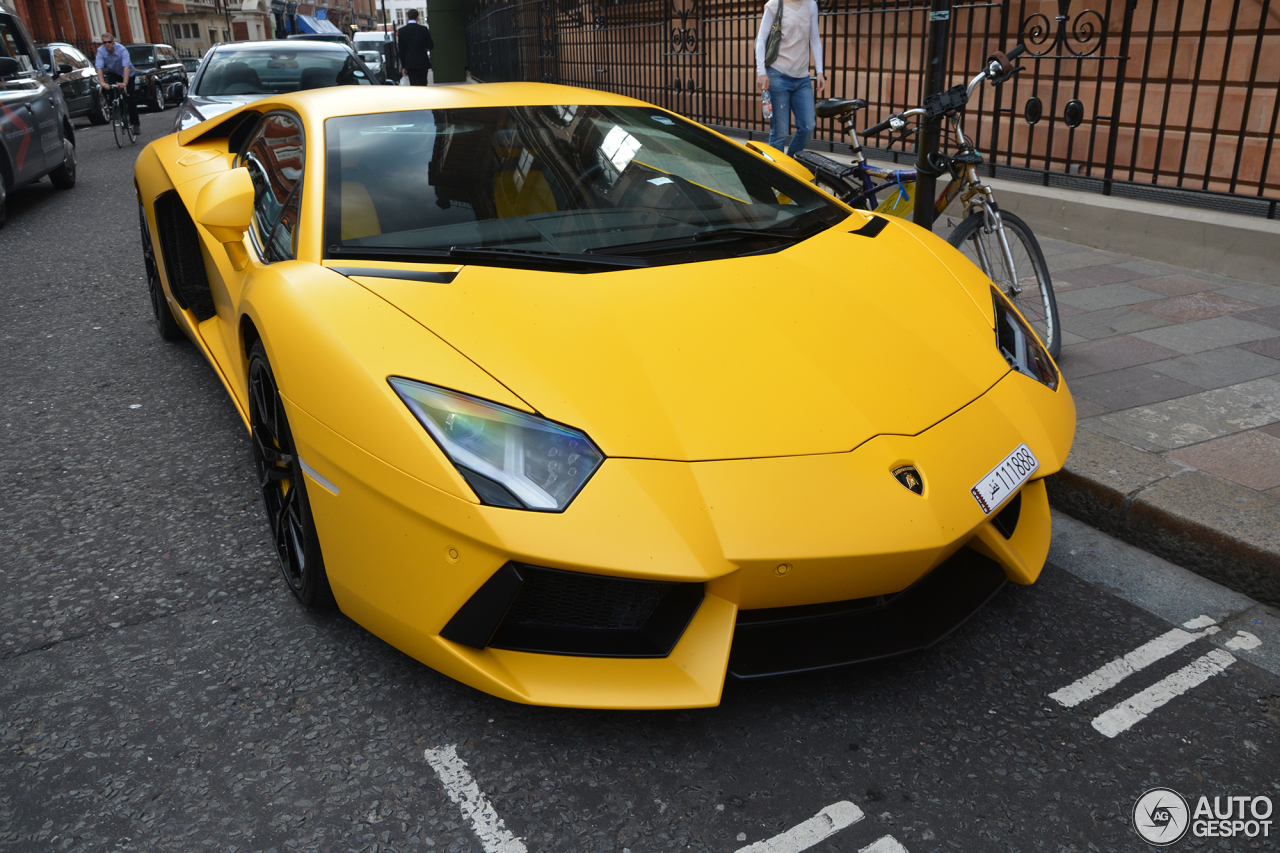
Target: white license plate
<point>1005,479</point>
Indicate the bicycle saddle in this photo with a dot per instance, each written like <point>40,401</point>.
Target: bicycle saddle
<point>832,107</point>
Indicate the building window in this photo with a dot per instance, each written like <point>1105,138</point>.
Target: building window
<point>97,24</point>
<point>213,36</point>
<point>135,21</point>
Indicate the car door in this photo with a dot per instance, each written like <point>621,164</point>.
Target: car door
<point>28,108</point>
<point>274,157</point>
<point>75,88</point>
<point>176,88</point>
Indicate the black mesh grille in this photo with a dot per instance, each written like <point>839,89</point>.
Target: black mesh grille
<point>551,611</point>
<point>570,600</point>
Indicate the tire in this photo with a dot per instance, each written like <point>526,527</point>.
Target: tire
<point>4,196</point>
<point>284,492</point>
<point>157,104</point>
<point>117,127</point>
<point>166,324</point>
<point>133,135</point>
<point>64,177</point>
<point>1036,301</point>
<point>98,112</point>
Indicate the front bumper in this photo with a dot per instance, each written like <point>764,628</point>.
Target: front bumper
<point>760,535</point>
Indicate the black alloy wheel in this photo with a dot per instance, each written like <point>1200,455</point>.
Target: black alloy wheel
<point>157,99</point>
<point>99,111</point>
<point>284,494</point>
<point>160,310</point>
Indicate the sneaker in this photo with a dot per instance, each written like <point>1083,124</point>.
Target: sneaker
<point>137,128</point>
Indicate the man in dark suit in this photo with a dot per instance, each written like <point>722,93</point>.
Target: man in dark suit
<point>414,43</point>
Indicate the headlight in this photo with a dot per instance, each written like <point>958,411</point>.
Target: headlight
<point>1020,346</point>
<point>509,458</point>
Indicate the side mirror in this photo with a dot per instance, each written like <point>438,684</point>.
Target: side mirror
<point>8,66</point>
<point>225,208</point>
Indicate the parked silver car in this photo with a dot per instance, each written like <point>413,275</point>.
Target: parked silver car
<point>240,72</point>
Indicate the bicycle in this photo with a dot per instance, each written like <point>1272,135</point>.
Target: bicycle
<point>998,242</point>
<point>119,112</point>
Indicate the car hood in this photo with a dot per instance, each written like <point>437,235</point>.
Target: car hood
<point>814,349</point>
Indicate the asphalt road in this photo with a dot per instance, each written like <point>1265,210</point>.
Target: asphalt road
<point>161,690</point>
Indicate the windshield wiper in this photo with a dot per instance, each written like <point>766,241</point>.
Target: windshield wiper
<point>559,261</point>
<point>788,233</point>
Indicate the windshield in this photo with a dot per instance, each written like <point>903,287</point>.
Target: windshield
<point>630,182</point>
<point>142,57</point>
<point>370,57</point>
<point>262,72</point>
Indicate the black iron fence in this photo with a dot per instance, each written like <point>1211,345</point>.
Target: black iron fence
<point>1174,100</point>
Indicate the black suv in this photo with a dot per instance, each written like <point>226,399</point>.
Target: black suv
<point>77,78</point>
<point>36,137</point>
<point>162,78</point>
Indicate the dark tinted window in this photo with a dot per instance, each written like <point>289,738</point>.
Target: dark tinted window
<point>12,44</point>
<point>142,56</point>
<point>274,159</point>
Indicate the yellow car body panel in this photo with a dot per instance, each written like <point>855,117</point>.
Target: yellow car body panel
<point>752,412</point>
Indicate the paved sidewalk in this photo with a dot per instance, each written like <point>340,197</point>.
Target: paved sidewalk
<point>1176,377</point>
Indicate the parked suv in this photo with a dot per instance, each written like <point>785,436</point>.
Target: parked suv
<point>36,137</point>
<point>78,79</point>
<point>162,78</point>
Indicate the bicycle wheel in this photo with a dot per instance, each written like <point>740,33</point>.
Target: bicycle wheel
<point>133,134</point>
<point>117,127</point>
<point>1036,300</point>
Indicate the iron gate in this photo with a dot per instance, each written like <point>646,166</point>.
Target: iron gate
<point>1172,100</point>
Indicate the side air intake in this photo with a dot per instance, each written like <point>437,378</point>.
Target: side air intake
<point>183,263</point>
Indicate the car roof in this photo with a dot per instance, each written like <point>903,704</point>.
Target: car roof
<point>277,45</point>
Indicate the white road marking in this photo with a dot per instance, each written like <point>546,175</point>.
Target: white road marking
<point>1243,641</point>
<point>888,844</point>
<point>1109,675</point>
<point>823,825</point>
<point>476,808</point>
<point>1136,708</point>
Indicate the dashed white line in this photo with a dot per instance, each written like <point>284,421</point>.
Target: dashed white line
<point>476,808</point>
<point>821,826</point>
<point>1136,708</point>
<point>1110,674</point>
<point>888,844</point>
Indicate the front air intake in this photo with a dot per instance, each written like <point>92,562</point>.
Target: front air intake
<point>550,611</point>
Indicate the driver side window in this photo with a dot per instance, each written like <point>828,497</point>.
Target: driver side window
<point>275,160</point>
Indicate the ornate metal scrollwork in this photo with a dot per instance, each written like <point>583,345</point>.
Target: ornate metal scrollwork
<point>1086,31</point>
<point>684,38</point>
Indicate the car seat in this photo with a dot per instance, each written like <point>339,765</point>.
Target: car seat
<point>317,77</point>
<point>239,75</point>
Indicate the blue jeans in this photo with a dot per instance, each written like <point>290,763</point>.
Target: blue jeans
<point>790,95</point>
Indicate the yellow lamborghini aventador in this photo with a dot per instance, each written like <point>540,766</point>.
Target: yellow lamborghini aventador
<point>583,404</point>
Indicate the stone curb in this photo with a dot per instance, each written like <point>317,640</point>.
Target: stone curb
<point>1222,531</point>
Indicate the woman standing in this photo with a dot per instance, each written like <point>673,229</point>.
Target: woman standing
<point>787,78</point>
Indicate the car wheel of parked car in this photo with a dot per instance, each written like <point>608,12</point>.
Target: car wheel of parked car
<point>165,322</point>
<point>64,177</point>
<point>157,99</point>
<point>98,111</point>
<point>284,495</point>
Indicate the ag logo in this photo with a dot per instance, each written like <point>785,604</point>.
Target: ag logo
<point>1161,816</point>
<point>910,478</point>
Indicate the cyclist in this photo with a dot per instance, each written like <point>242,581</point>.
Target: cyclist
<point>115,69</point>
